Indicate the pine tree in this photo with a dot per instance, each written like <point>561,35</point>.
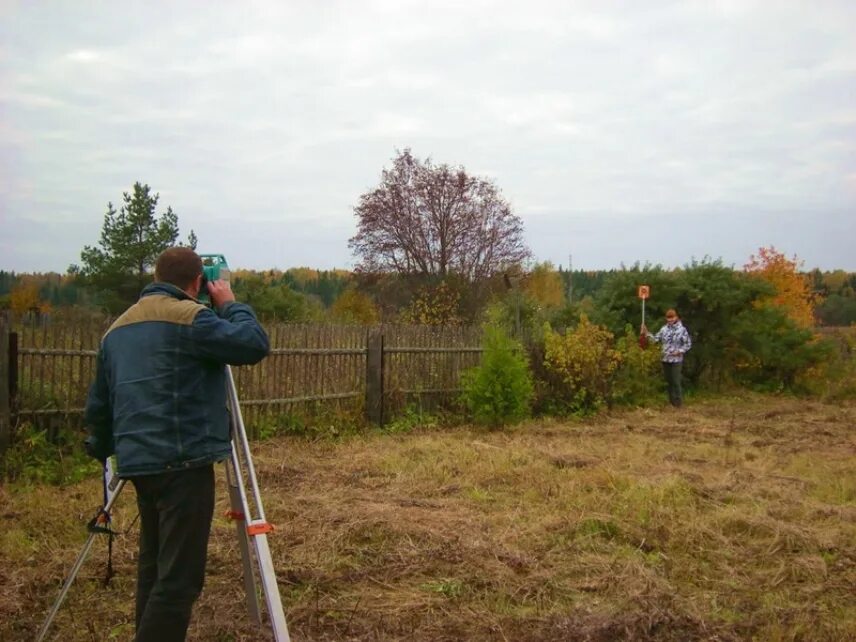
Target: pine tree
<point>131,240</point>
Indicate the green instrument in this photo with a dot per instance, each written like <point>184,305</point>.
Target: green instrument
<point>214,268</point>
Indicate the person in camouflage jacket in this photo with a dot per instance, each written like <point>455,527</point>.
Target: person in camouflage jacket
<point>675,341</point>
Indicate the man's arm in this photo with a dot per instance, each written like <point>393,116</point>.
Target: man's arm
<point>653,337</point>
<point>99,414</point>
<point>232,335</point>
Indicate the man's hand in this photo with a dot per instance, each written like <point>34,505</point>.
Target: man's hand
<point>643,329</point>
<point>220,292</point>
<point>95,449</point>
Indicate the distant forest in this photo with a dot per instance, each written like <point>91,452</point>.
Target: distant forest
<point>306,294</point>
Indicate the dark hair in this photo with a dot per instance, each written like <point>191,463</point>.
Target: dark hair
<point>178,266</point>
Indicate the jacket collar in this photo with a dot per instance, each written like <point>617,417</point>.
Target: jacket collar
<point>167,289</point>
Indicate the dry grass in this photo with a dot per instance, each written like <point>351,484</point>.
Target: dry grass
<point>734,519</point>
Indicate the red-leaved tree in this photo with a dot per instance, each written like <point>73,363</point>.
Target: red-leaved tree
<point>436,220</point>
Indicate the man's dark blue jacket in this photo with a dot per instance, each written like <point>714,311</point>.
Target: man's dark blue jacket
<point>159,396</point>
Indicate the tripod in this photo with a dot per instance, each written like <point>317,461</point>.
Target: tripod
<point>247,512</point>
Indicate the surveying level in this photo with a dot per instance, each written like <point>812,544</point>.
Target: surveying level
<point>214,268</point>
<point>247,512</point>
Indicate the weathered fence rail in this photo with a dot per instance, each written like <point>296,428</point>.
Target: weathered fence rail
<point>47,369</point>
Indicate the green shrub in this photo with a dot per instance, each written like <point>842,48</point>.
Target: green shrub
<point>312,420</point>
<point>33,458</point>
<point>413,418</point>
<point>499,390</point>
<point>517,313</point>
<point>638,378</point>
<point>835,378</point>
<point>770,352</point>
<point>579,368</point>
<point>710,301</point>
<point>616,302</point>
<point>837,310</point>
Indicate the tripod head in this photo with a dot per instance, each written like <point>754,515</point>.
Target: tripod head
<point>214,268</point>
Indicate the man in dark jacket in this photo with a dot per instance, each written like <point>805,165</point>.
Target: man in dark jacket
<point>159,403</point>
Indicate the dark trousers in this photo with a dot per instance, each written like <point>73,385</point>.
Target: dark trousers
<point>175,521</point>
<point>672,372</point>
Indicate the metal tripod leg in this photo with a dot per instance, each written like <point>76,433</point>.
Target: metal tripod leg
<point>244,543</point>
<point>256,527</point>
<point>76,568</point>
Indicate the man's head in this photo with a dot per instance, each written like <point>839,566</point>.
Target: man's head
<point>181,267</point>
<point>671,316</point>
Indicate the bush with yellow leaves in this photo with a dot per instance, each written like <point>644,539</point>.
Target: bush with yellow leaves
<point>434,305</point>
<point>579,367</point>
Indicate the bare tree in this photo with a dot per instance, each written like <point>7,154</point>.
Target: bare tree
<point>436,221</point>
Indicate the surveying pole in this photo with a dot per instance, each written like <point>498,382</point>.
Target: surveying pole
<point>643,292</point>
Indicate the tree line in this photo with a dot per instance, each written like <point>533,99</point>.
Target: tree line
<point>305,294</point>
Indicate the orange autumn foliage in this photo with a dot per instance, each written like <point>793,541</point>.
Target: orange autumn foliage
<point>792,288</point>
<point>25,298</point>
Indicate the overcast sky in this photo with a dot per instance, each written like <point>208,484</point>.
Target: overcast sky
<point>619,132</point>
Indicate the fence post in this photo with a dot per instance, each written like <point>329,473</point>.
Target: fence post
<point>374,376</point>
<point>13,377</point>
<point>5,409</point>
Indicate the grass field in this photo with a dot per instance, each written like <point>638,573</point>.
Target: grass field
<point>733,519</point>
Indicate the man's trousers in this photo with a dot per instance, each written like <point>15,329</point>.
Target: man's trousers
<point>672,372</point>
<point>175,521</point>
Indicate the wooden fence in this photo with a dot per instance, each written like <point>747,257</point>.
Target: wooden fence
<point>47,368</point>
